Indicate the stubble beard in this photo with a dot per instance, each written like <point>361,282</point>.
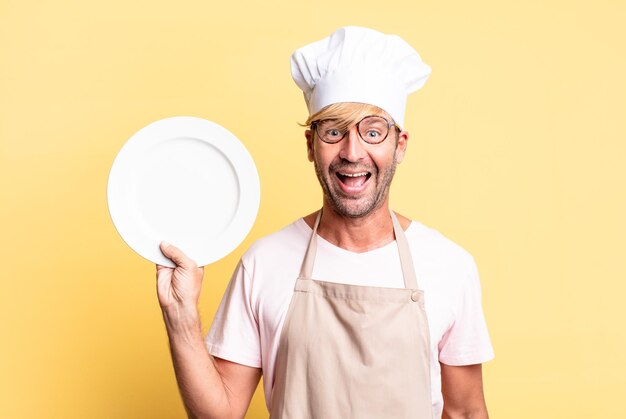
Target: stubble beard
<point>349,206</point>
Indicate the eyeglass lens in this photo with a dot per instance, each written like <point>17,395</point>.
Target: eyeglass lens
<point>372,129</point>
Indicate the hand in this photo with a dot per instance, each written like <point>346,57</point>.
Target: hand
<point>181,285</point>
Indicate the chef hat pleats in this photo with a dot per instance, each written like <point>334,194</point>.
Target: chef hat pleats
<point>357,64</point>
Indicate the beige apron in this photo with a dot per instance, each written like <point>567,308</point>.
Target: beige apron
<point>350,351</point>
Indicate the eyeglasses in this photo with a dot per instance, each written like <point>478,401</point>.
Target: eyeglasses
<point>372,129</point>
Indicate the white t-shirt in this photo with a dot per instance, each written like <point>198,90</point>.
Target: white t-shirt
<point>248,323</point>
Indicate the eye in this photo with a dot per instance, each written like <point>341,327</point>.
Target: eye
<point>373,129</point>
<point>333,133</point>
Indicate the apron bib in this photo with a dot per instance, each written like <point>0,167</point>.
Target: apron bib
<point>349,351</point>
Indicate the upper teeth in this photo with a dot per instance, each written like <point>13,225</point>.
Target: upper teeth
<point>354,174</point>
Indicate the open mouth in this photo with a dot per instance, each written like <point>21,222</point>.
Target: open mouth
<point>353,180</point>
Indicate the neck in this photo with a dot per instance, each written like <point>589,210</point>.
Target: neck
<point>360,234</point>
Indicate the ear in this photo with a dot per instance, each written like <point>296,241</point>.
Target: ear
<point>309,144</point>
<point>403,140</point>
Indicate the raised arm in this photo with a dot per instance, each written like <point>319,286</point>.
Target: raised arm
<point>210,387</point>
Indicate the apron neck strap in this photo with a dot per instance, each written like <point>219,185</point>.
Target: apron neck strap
<point>309,257</point>
<point>406,261</point>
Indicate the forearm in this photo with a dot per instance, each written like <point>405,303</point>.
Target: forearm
<point>200,383</point>
<point>462,389</point>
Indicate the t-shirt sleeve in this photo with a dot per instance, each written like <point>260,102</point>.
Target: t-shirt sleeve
<point>234,333</point>
<point>467,341</point>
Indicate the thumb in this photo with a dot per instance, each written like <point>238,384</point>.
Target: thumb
<point>176,255</point>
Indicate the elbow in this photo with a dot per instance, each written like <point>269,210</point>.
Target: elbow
<point>202,414</point>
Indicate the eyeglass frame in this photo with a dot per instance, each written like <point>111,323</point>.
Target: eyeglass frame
<point>315,124</point>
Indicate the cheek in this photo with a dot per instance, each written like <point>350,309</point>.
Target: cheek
<point>323,157</point>
<point>383,160</point>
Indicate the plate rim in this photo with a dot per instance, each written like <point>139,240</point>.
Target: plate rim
<point>228,144</point>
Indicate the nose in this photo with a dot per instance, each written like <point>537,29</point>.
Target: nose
<point>352,148</point>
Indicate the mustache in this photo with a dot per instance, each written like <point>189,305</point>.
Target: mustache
<point>340,167</point>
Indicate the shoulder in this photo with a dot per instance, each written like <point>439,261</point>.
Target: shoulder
<point>431,247</point>
<point>282,246</point>
<point>436,242</point>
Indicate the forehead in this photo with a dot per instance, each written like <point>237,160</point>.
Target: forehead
<point>349,112</point>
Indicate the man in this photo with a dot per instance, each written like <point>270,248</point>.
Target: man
<point>352,311</point>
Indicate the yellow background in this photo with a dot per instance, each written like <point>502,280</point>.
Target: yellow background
<point>517,153</point>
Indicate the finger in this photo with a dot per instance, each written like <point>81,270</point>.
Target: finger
<point>176,255</point>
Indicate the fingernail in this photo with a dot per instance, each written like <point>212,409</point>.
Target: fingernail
<point>165,244</point>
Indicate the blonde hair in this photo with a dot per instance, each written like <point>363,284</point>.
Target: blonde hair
<point>347,112</point>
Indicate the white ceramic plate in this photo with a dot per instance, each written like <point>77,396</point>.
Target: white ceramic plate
<point>187,181</point>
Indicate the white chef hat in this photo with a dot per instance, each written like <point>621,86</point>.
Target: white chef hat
<point>361,65</point>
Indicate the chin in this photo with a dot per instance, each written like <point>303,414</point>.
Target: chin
<point>353,209</point>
